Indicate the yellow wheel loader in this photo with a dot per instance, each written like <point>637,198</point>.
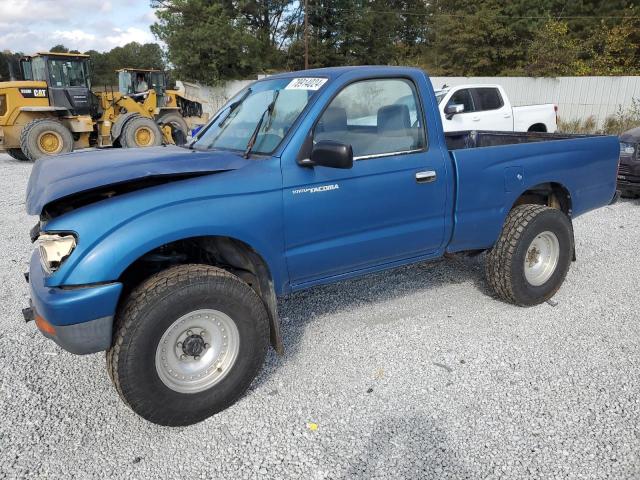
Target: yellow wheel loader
<point>53,110</point>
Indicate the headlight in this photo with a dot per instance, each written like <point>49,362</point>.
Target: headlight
<point>54,250</point>
<point>627,149</point>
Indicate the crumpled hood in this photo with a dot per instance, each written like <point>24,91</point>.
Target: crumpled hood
<point>58,177</point>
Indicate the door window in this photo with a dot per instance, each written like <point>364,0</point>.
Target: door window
<point>487,99</point>
<point>375,117</point>
<point>462,97</point>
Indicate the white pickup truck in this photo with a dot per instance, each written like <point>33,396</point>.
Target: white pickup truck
<point>487,107</point>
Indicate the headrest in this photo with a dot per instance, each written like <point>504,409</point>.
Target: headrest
<point>393,117</point>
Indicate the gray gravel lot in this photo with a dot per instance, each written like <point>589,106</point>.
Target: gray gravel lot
<point>413,373</point>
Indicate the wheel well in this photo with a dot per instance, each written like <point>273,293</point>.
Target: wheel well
<point>538,127</point>
<point>550,194</point>
<point>227,253</point>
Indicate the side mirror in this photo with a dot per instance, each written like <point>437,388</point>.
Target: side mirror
<point>331,154</point>
<point>453,109</point>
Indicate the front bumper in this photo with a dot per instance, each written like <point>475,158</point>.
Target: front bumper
<point>629,176</point>
<point>78,318</point>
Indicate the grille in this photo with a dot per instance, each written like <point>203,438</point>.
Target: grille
<point>624,170</point>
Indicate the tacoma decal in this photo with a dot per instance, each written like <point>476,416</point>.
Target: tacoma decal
<point>323,188</point>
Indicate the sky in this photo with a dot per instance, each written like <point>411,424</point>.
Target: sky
<point>29,26</point>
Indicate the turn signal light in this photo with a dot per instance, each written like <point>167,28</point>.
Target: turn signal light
<point>44,326</point>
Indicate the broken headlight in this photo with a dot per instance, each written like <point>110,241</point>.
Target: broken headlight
<point>54,249</point>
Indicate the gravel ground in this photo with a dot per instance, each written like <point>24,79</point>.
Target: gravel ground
<point>413,373</point>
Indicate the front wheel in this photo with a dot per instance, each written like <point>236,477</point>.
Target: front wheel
<point>44,137</point>
<point>188,343</point>
<point>531,258</point>
<point>140,132</point>
<point>177,125</point>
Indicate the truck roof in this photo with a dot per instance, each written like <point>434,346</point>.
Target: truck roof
<point>334,72</point>
<point>467,85</point>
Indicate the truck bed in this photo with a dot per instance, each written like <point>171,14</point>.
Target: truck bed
<point>492,169</point>
<point>487,138</point>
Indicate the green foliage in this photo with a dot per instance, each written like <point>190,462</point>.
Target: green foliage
<point>59,49</point>
<point>131,55</point>
<point>103,64</point>
<point>213,40</point>
<point>553,52</point>
<point>624,119</point>
<point>216,40</point>
<point>7,58</point>
<point>210,41</point>
<point>587,125</point>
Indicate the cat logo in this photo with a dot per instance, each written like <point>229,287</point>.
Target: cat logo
<point>34,92</point>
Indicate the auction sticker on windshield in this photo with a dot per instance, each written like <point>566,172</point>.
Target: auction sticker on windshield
<point>305,83</point>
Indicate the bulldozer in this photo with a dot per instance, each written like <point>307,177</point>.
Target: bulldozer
<point>53,110</point>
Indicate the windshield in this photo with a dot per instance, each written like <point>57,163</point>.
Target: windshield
<point>236,122</point>
<point>440,94</point>
<point>68,73</point>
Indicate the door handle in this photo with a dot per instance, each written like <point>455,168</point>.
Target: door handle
<point>426,176</point>
<point>476,119</point>
<point>507,115</point>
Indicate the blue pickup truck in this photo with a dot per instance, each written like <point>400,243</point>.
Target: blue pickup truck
<point>172,258</point>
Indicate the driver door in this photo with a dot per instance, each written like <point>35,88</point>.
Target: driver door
<point>389,206</point>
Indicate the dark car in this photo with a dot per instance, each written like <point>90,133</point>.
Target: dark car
<point>629,170</point>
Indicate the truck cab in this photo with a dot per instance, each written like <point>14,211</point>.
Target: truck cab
<point>137,82</point>
<point>487,107</point>
<point>67,78</point>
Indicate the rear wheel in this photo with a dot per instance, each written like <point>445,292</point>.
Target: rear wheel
<point>17,154</point>
<point>531,258</point>
<point>188,343</point>
<point>178,126</point>
<point>45,137</point>
<point>140,132</point>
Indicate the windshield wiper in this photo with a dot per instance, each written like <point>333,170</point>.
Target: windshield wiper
<point>254,135</point>
<point>230,109</point>
<point>235,105</point>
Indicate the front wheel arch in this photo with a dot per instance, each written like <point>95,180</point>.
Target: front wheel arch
<point>230,254</point>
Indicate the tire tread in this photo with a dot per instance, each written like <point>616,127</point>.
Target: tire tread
<point>156,288</point>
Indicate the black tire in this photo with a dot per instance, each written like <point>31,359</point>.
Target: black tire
<point>179,128</point>
<point>148,313</point>
<point>140,132</point>
<point>17,154</point>
<point>505,262</point>
<point>32,135</point>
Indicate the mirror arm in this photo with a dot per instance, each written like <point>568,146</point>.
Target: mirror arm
<point>306,162</point>
<point>304,155</point>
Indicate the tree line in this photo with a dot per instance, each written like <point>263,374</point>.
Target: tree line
<point>210,41</point>
<point>215,40</point>
<point>103,64</point>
